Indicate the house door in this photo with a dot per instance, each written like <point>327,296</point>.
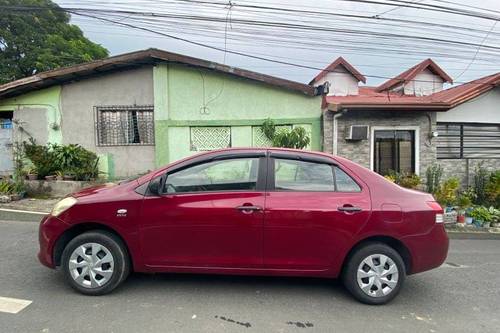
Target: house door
<point>6,163</point>
<point>394,150</point>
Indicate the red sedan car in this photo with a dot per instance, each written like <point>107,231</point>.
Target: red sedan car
<point>252,212</point>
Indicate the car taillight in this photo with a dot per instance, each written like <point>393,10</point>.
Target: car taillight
<point>438,210</point>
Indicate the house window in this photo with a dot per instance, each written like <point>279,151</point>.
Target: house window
<point>124,125</point>
<point>394,150</point>
<point>210,138</point>
<point>462,140</point>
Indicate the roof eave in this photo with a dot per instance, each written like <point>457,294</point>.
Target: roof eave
<point>335,107</point>
<point>139,58</point>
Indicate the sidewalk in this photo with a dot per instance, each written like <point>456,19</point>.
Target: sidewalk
<point>32,205</point>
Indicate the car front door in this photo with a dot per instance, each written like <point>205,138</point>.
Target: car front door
<point>208,215</point>
<point>313,208</point>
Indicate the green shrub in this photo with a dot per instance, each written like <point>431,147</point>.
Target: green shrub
<point>41,157</point>
<point>433,178</point>
<point>481,213</point>
<point>480,181</point>
<point>446,195</point>
<point>286,138</point>
<point>6,187</point>
<point>69,159</point>
<point>466,198</point>
<point>492,189</point>
<point>11,187</point>
<point>404,179</point>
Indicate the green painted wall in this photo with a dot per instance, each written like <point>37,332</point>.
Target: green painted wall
<point>48,100</point>
<point>187,97</point>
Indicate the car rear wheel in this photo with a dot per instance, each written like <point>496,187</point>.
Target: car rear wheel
<point>95,263</point>
<point>374,273</point>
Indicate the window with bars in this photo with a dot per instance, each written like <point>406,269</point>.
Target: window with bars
<point>466,140</point>
<point>124,125</point>
<point>210,138</point>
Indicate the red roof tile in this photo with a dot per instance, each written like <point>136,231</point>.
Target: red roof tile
<point>371,98</point>
<point>410,74</point>
<point>340,62</point>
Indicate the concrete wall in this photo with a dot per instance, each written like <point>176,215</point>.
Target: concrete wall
<point>342,83</point>
<point>186,97</point>
<point>131,87</point>
<point>360,151</point>
<point>423,84</point>
<point>36,114</point>
<point>482,109</point>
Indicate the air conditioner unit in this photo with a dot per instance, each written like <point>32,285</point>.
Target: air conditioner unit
<point>357,133</point>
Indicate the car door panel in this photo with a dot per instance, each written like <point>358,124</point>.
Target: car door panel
<point>210,226</point>
<point>304,230</point>
<point>204,229</point>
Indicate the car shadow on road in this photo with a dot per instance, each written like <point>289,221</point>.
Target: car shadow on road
<point>236,284</point>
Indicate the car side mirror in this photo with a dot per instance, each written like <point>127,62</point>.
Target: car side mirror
<point>156,185</point>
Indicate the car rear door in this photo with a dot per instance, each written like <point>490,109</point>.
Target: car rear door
<point>210,215</point>
<point>313,208</point>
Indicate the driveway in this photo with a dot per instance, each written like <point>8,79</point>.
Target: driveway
<point>461,296</point>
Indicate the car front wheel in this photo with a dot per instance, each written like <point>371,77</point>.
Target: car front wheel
<point>374,273</point>
<point>95,263</point>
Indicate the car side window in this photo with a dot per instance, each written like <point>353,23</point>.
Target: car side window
<point>344,182</point>
<point>225,175</point>
<point>293,175</point>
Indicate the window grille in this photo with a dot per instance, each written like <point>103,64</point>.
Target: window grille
<point>210,138</point>
<point>124,125</point>
<point>463,140</point>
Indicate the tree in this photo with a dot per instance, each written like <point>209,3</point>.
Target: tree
<point>286,138</point>
<point>35,36</point>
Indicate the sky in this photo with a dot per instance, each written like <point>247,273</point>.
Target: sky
<point>378,48</point>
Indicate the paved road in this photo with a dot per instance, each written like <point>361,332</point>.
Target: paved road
<point>461,296</point>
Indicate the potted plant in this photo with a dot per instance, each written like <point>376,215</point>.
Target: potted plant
<point>50,177</point>
<point>495,217</point>
<point>32,174</point>
<point>481,216</point>
<point>59,175</point>
<point>69,176</point>
<point>463,202</point>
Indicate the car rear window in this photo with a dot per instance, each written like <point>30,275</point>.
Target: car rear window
<point>295,175</point>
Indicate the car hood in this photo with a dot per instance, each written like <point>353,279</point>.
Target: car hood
<point>94,190</point>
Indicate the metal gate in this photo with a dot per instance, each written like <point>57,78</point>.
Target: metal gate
<point>6,163</point>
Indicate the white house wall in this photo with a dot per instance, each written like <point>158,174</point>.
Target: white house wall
<point>482,109</point>
<point>423,84</point>
<point>342,83</point>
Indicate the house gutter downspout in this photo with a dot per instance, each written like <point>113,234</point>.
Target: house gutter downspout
<point>337,115</point>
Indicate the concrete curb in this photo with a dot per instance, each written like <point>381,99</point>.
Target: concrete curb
<point>14,215</point>
<point>473,235</point>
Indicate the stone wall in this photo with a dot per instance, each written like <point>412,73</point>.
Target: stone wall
<point>464,168</point>
<point>359,151</point>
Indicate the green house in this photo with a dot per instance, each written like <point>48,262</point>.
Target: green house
<point>143,109</point>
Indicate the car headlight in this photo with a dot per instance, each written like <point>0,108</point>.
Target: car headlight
<point>63,205</point>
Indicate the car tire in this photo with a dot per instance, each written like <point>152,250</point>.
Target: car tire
<point>95,263</point>
<point>374,273</point>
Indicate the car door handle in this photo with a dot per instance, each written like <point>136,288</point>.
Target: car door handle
<point>247,209</point>
<point>349,209</point>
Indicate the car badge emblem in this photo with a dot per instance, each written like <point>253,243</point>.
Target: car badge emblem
<point>121,212</point>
